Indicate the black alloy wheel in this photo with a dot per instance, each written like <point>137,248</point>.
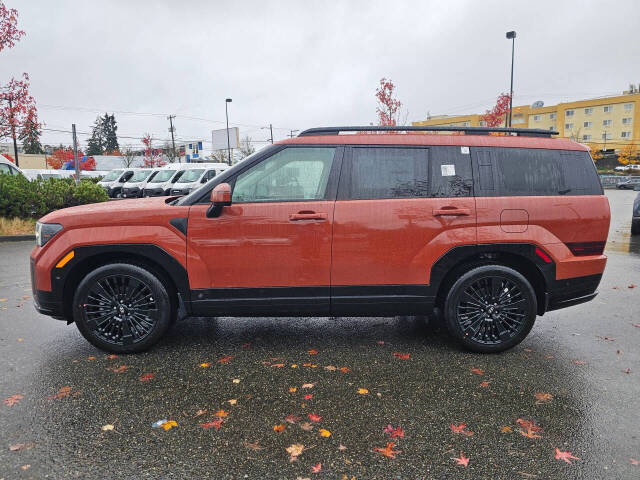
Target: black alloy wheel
<point>122,308</point>
<point>491,308</point>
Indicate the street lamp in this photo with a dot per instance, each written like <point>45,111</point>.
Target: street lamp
<point>226,111</point>
<point>270,127</point>
<point>511,36</point>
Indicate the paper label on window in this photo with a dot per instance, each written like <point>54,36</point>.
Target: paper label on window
<point>448,170</point>
<point>464,150</point>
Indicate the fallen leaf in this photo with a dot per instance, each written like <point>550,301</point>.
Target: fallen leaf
<point>462,460</point>
<point>484,384</point>
<point>637,325</point>
<point>3,299</point>
<point>236,380</point>
<point>314,418</point>
<point>169,425</point>
<point>158,423</point>
<point>380,342</point>
<point>461,429</point>
<point>252,446</point>
<point>608,339</point>
<point>295,450</point>
<point>279,428</point>
<point>306,426</point>
<point>401,356</point>
<point>634,461</point>
<point>120,369</point>
<point>91,357</point>
<point>324,433</point>
<point>232,402</point>
<point>566,456</point>
<point>342,448</point>
<point>345,369</point>
<point>313,352</point>
<point>363,391</point>
<point>529,433</point>
<point>221,414</point>
<point>225,359</point>
<point>146,377</point>
<point>543,397</point>
<point>112,356</point>
<point>316,468</point>
<point>62,393</point>
<point>477,371</point>
<point>25,467</point>
<point>217,423</point>
<point>331,368</point>
<point>631,286</point>
<point>506,429</point>
<point>13,399</point>
<point>293,389</point>
<point>579,362</point>
<point>292,418</point>
<point>628,370</point>
<point>107,428</point>
<point>308,385</point>
<point>200,412</point>
<point>21,446</point>
<point>529,425</point>
<point>294,365</point>
<point>388,451</point>
<point>394,432</point>
<point>205,364</point>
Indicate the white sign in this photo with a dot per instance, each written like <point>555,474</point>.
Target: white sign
<point>448,170</point>
<point>219,138</point>
<point>464,150</point>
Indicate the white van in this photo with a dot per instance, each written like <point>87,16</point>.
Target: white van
<point>197,175</point>
<point>134,187</point>
<point>160,184</point>
<point>115,179</point>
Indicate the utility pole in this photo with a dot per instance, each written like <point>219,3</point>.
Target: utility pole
<point>171,129</point>
<point>226,111</point>
<point>75,153</point>
<point>271,130</point>
<point>292,132</point>
<point>13,131</point>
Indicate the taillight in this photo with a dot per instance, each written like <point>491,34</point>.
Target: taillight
<point>582,249</point>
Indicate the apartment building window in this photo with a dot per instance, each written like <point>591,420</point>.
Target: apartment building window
<point>586,138</point>
<point>466,124</point>
<point>483,123</point>
<point>606,123</point>
<point>625,134</point>
<point>568,126</point>
<point>608,109</point>
<point>606,136</point>
<point>537,118</point>
<point>553,116</point>
<point>587,124</point>
<point>552,128</point>
<point>569,113</point>
<point>628,107</point>
<point>588,111</point>
<point>627,121</point>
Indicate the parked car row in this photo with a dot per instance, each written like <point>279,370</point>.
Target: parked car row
<point>172,179</point>
<point>9,168</point>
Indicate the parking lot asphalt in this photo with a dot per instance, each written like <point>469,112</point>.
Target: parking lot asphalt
<point>311,398</point>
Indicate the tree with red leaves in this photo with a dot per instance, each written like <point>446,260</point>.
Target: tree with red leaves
<point>9,33</point>
<point>64,155</point>
<point>495,116</point>
<point>388,106</point>
<point>17,110</point>
<point>152,157</point>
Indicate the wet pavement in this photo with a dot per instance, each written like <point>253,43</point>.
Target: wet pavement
<point>577,377</point>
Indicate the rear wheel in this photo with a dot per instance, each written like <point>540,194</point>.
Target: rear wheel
<point>490,308</point>
<point>122,308</point>
<point>635,226</point>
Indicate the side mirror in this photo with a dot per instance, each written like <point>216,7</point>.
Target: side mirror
<point>220,197</point>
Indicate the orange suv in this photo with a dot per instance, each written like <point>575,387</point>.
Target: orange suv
<point>491,227</point>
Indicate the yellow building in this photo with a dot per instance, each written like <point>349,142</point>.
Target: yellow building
<point>608,122</point>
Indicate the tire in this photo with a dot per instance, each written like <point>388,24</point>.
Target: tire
<point>101,301</point>
<point>635,226</point>
<point>502,318</point>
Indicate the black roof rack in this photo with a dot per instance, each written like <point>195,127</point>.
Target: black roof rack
<point>523,132</point>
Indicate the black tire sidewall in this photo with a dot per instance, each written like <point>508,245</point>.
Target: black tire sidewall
<point>159,291</point>
<point>472,275</point>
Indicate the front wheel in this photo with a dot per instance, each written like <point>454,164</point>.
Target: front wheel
<point>122,308</point>
<point>490,308</point>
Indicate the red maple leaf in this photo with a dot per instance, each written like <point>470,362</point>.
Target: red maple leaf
<point>462,460</point>
<point>477,371</point>
<point>566,456</point>
<point>13,399</point>
<point>388,451</point>
<point>225,359</point>
<point>316,468</point>
<point>217,423</point>
<point>314,418</point>
<point>394,432</point>
<point>146,377</point>
<point>309,396</point>
<point>529,425</point>
<point>401,356</point>
<point>462,429</point>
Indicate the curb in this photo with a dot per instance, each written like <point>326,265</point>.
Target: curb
<point>16,238</point>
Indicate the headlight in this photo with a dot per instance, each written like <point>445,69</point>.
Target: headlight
<point>46,231</point>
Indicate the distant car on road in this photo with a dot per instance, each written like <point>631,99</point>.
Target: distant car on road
<point>629,184</point>
<point>635,218</point>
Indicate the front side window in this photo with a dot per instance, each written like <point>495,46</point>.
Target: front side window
<point>112,175</point>
<point>126,177</point>
<point>292,174</point>
<point>191,175</point>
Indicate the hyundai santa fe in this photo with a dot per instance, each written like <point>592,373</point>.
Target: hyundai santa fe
<point>491,227</point>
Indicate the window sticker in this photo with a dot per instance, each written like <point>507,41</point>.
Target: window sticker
<point>464,150</point>
<point>448,170</point>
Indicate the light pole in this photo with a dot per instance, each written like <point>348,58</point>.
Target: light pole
<point>511,36</point>
<point>226,111</point>
<point>292,132</point>
<point>271,130</point>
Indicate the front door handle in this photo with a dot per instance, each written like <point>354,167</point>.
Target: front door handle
<point>307,215</point>
<point>451,211</point>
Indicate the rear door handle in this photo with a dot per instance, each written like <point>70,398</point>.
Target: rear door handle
<point>306,215</point>
<point>451,211</point>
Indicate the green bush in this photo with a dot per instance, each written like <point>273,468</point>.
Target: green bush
<point>22,198</point>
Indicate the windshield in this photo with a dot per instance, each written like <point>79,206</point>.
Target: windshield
<point>112,175</point>
<point>191,175</point>
<point>50,175</point>
<point>162,176</point>
<point>139,176</point>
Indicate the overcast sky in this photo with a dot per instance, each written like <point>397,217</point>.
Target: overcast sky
<point>299,64</point>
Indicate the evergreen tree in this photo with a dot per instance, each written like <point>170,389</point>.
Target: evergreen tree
<point>30,134</point>
<point>109,132</point>
<point>95,145</point>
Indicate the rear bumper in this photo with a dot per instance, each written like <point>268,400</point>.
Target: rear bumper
<point>572,291</point>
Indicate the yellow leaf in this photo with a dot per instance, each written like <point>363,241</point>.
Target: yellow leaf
<point>294,366</point>
<point>236,380</point>
<point>363,391</point>
<point>292,389</point>
<point>324,432</point>
<point>205,364</point>
<point>169,425</point>
<point>506,429</point>
<point>221,414</point>
<point>3,299</point>
<point>106,428</point>
<point>295,450</point>
<point>233,401</point>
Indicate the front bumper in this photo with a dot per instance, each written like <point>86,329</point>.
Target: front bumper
<point>180,191</point>
<point>134,192</point>
<point>45,302</point>
<point>154,192</point>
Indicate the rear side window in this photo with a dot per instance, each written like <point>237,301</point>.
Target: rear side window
<point>450,172</point>
<point>386,172</point>
<point>534,172</point>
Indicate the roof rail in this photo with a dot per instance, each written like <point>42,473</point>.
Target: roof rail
<point>523,132</point>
